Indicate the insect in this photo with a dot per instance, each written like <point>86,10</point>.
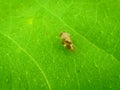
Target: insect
<point>66,40</point>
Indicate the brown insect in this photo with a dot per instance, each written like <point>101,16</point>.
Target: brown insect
<point>66,40</point>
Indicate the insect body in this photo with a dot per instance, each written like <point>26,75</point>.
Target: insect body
<point>66,40</point>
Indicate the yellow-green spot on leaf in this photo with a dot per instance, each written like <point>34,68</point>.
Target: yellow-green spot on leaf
<point>19,50</point>
<point>29,21</point>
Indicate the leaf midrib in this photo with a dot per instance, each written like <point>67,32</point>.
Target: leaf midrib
<point>31,58</point>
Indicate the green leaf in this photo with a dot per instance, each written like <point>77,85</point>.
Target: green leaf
<point>33,58</point>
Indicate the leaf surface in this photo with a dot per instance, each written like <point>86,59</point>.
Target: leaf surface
<point>33,58</point>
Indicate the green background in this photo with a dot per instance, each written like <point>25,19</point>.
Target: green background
<point>33,58</point>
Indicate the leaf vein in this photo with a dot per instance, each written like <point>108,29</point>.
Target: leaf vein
<point>31,58</point>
